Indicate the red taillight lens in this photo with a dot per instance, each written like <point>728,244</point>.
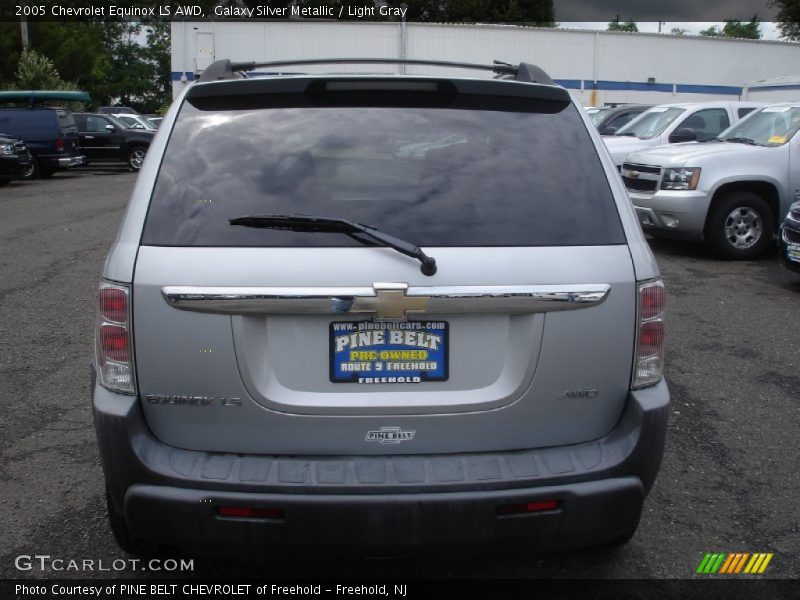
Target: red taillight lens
<point>59,145</point>
<point>648,367</point>
<point>114,305</point>
<point>114,343</point>
<point>651,338</point>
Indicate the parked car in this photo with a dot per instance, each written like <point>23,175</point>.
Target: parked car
<point>154,120</point>
<point>610,120</point>
<point>730,192</point>
<point>49,133</point>
<point>675,123</point>
<point>15,160</point>
<point>789,238</point>
<point>104,138</point>
<point>481,366</point>
<point>117,110</point>
<point>135,122</point>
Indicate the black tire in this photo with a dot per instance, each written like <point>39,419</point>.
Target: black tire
<point>740,226</point>
<point>4,182</point>
<point>45,173</point>
<point>33,170</point>
<point>119,529</point>
<point>135,157</point>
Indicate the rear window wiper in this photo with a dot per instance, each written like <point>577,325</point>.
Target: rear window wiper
<point>357,231</point>
<point>738,140</point>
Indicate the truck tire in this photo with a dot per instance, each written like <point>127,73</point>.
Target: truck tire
<point>740,226</point>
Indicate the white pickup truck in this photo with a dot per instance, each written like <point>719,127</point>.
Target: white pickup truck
<point>675,123</point>
<point>731,192</point>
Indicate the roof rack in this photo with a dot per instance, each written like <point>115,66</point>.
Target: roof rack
<point>225,69</point>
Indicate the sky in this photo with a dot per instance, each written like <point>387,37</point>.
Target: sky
<point>769,30</point>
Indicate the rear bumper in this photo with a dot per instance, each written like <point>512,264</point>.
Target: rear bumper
<point>379,504</point>
<point>58,162</point>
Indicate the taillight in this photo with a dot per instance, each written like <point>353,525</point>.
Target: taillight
<point>59,145</point>
<point>113,344</point>
<point>648,367</point>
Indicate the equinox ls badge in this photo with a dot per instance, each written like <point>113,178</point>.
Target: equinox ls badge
<point>389,435</point>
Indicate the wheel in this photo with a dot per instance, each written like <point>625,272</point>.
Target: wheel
<point>33,170</point>
<point>4,182</point>
<point>740,227</point>
<point>45,173</point>
<point>136,157</point>
<point>119,529</point>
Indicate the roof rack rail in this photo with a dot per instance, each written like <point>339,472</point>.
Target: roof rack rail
<point>225,69</point>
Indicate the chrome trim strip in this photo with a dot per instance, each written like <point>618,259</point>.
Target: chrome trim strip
<point>444,300</point>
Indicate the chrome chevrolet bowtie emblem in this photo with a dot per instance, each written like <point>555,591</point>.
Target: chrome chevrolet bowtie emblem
<point>633,174</point>
<point>390,302</point>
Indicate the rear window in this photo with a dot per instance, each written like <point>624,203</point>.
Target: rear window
<point>432,175</point>
<point>66,121</point>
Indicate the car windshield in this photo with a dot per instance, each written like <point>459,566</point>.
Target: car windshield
<point>440,176</point>
<point>770,126</point>
<point>651,122</point>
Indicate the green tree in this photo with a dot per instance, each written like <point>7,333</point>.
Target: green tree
<point>37,72</point>
<point>788,18</point>
<point>678,31</point>
<point>712,31</point>
<point>750,30</point>
<point>617,25</point>
<point>736,29</point>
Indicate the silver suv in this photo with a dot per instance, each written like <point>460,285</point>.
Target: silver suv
<point>309,338</point>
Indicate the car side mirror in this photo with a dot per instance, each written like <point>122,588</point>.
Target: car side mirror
<point>110,127</point>
<point>683,135</point>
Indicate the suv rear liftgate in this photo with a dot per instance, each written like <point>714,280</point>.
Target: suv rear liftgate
<point>302,381</point>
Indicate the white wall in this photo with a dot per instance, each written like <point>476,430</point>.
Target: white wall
<point>618,65</point>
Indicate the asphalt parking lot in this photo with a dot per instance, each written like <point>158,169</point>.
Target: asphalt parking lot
<point>728,482</point>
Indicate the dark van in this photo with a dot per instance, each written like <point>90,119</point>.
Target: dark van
<point>50,133</point>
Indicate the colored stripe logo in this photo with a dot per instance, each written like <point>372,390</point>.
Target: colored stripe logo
<point>734,563</point>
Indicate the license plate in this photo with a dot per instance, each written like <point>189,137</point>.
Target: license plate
<point>793,252</point>
<point>385,352</point>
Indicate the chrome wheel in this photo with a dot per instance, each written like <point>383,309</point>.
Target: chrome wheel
<point>743,227</point>
<point>136,158</point>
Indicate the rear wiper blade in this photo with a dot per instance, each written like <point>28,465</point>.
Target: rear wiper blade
<point>739,140</point>
<point>329,225</point>
<point>629,134</point>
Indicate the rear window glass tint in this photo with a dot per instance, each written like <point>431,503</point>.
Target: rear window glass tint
<point>66,121</point>
<point>433,176</point>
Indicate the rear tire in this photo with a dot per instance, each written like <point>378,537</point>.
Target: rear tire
<point>119,529</point>
<point>4,182</point>
<point>136,157</point>
<point>740,227</point>
<point>45,173</point>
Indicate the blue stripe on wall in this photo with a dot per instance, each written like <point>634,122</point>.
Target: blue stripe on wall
<point>761,88</point>
<point>633,86</point>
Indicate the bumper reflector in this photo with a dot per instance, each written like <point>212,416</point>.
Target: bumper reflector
<point>530,507</point>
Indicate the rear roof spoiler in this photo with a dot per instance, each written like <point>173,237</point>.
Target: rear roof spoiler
<point>32,97</point>
<point>225,69</point>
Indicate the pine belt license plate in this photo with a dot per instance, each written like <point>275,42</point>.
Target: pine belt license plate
<point>385,352</point>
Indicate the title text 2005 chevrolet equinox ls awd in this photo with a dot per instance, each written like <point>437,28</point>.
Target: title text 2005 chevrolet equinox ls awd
<point>382,312</point>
